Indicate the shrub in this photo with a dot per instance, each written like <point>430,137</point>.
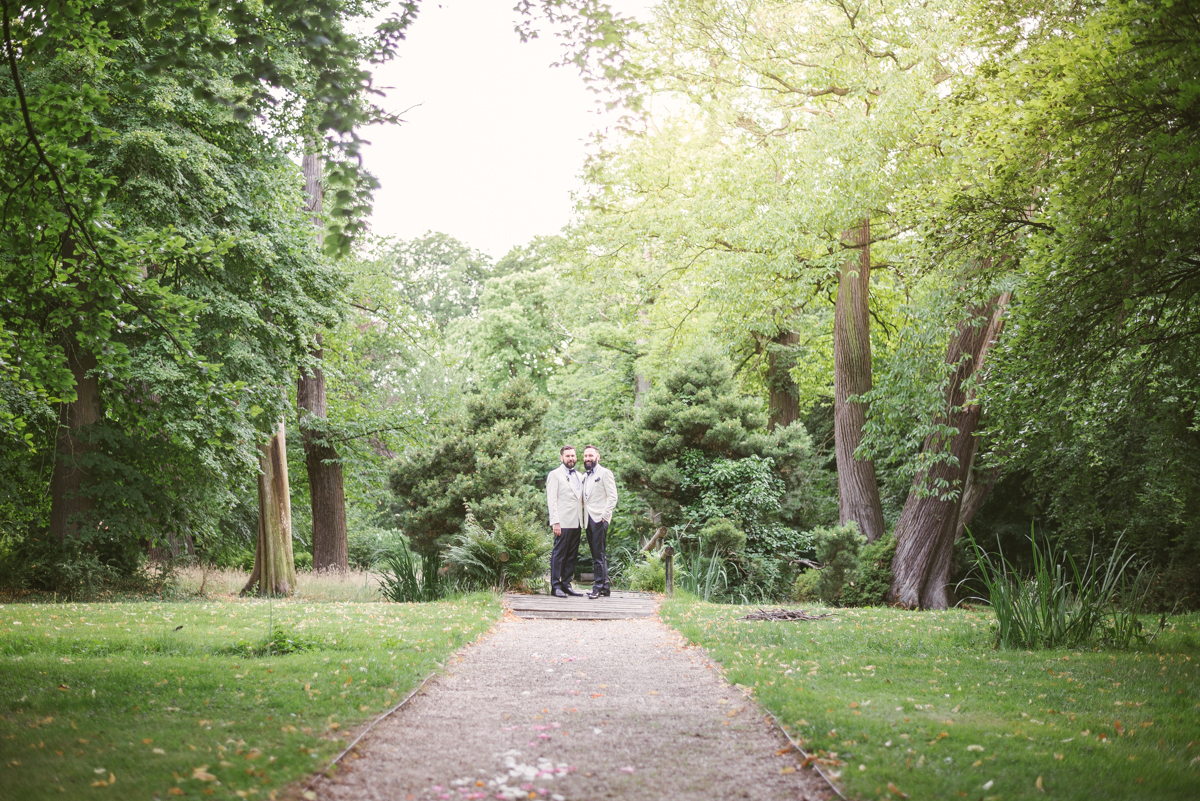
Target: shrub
<point>837,549</point>
<point>805,588</point>
<point>873,576</point>
<point>513,552</point>
<point>649,575</point>
<point>303,560</point>
<point>722,536</point>
<point>367,545</point>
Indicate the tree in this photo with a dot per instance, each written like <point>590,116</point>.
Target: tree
<point>929,524</point>
<point>482,457</point>
<point>812,120</point>
<point>326,491</point>
<point>696,418</point>
<point>105,280</point>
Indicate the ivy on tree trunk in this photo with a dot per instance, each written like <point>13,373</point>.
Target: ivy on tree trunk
<point>858,490</point>
<point>929,522</point>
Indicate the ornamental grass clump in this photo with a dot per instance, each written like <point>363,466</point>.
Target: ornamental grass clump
<point>509,556</point>
<point>1060,604</point>
<point>406,577</point>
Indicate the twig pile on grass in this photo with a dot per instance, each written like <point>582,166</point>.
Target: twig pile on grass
<point>784,614</point>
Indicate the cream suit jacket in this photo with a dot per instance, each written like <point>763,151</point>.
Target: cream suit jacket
<point>600,493</point>
<point>563,503</point>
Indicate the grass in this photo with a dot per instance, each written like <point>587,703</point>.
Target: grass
<point>354,585</point>
<point>921,703</point>
<point>194,700</point>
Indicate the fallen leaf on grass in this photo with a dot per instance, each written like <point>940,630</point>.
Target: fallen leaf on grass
<point>159,751</point>
<point>1038,783</point>
<point>201,774</point>
<point>894,789</point>
<point>974,747</point>
<point>174,791</point>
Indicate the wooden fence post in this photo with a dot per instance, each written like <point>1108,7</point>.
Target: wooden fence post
<point>669,564</point>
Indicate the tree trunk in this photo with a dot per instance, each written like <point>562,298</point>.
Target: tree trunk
<point>858,491</point>
<point>326,490</point>
<point>929,521</point>
<point>69,501</point>
<point>783,401</point>
<point>324,476</point>
<point>274,567</point>
<point>979,486</point>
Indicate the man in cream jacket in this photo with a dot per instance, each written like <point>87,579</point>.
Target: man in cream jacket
<point>564,502</point>
<point>599,500</point>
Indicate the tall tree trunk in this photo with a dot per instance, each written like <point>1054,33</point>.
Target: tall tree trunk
<point>274,566</point>
<point>69,501</point>
<point>325,484</point>
<point>979,486</point>
<point>783,401</point>
<point>926,530</point>
<point>324,476</point>
<point>858,491</point>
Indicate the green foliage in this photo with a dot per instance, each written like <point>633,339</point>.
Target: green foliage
<point>699,453</point>
<point>366,545</point>
<point>407,577</point>
<point>648,575</point>
<point>74,569</point>
<point>510,556</point>
<point>721,536</point>
<point>805,588</point>
<point>838,549</point>
<point>873,575</point>
<point>303,560</point>
<point>481,457</point>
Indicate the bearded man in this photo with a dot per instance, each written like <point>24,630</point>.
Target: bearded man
<point>564,503</point>
<point>599,499</point>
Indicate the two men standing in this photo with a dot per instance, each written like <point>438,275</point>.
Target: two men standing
<point>577,503</point>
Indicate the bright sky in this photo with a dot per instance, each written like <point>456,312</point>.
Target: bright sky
<point>496,138</point>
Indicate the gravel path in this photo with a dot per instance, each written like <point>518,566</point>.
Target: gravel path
<point>576,710</point>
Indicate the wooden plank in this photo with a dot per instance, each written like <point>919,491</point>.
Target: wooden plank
<point>618,606</point>
<point>530,614</point>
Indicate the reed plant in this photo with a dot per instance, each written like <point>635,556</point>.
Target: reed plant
<point>406,577</point>
<point>1060,603</point>
<point>704,577</point>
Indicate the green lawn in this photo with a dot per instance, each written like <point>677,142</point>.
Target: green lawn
<point>921,703</point>
<point>169,700</point>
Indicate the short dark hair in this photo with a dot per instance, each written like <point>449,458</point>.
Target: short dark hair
<point>593,447</point>
<point>566,448</point>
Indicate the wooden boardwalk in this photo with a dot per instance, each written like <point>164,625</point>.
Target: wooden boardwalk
<point>619,606</point>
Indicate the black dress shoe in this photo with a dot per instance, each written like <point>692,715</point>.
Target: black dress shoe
<point>599,593</point>
<point>557,593</point>
<point>570,591</point>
